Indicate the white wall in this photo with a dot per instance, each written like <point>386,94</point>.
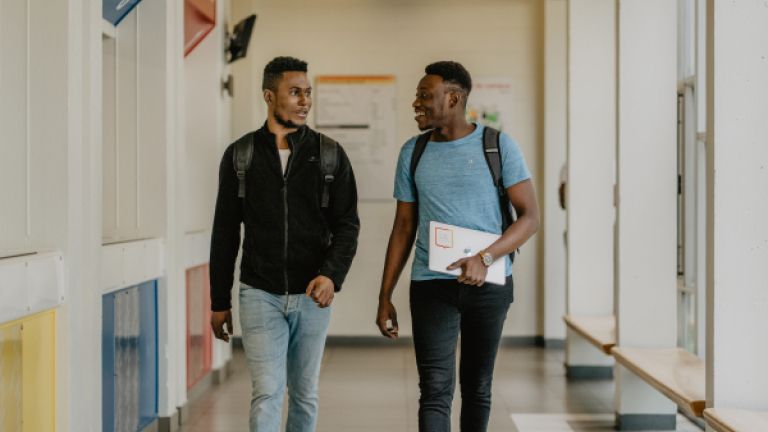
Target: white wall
<point>646,209</point>
<point>33,131</point>
<point>134,124</point>
<point>646,259</point>
<point>247,87</point>
<point>591,155</point>
<point>52,164</point>
<point>591,125</point>
<point>206,134</point>
<point>133,129</point>
<point>555,53</point>
<point>490,37</point>
<point>79,320</point>
<point>37,139</point>
<point>737,208</point>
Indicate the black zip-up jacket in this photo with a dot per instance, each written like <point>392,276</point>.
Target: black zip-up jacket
<point>289,239</point>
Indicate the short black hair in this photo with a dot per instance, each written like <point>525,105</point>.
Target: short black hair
<point>273,71</point>
<point>451,72</point>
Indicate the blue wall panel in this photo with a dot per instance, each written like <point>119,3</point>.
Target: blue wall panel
<point>129,358</point>
<point>108,363</point>
<point>148,352</point>
<point>115,10</point>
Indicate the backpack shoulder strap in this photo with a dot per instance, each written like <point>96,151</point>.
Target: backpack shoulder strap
<point>418,150</point>
<point>329,161</point>
<point>241,158</point>
<point>492,155</point>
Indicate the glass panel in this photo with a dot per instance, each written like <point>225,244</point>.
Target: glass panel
<point>686,318</point>
<point>680,190</point>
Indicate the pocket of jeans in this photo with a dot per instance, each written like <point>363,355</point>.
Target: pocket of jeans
<point>314,319</point>
<point>254,310</point>
<point>510,286</point>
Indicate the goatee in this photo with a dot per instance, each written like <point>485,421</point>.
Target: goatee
<point>286,123</point>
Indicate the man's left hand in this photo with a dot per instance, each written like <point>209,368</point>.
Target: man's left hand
<point>320,289</point>
<point>473,271</point>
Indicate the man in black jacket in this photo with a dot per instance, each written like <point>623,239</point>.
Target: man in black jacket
<point>296,253</point>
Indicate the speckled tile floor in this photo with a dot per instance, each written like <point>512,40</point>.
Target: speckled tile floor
<point>372,389</point>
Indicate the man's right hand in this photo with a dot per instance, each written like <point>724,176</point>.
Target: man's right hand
<point>386,313</point>
<point>218,319</point>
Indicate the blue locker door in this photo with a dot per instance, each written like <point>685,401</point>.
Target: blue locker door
<point>147,352</point>
<point>129,358</point>
<point>108,363</point>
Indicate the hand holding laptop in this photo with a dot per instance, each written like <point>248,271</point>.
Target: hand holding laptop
<point>473,271</point>
<point>453,250</point>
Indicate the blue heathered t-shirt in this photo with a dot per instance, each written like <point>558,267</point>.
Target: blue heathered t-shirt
<point>455,186</point>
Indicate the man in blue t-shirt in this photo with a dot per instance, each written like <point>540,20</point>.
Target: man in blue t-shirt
<point>453,184</point>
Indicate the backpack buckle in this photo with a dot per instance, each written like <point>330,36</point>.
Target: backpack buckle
<point>329,178</point>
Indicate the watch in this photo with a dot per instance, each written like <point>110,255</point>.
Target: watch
<point>487,258</point>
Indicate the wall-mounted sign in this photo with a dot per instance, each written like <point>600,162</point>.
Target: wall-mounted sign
<point>199,20</point>
<point>360,113</point>
<point>115,10</point>
<point>491,102</point>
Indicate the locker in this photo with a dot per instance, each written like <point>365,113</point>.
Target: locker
<point>129,358</point>
<point>199,334</point>
<point>28,373</point>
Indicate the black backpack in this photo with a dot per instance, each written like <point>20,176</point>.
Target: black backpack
<point>491,138</point>
<point>329,149</point>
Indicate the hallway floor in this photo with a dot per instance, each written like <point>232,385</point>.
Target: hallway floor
<point>375,389</point>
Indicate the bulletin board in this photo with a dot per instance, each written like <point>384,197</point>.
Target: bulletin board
<point>490,103</point>
<point>360,113</point>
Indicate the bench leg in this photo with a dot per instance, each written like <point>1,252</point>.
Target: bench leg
<point>641,407</point>
<point>584,361</point>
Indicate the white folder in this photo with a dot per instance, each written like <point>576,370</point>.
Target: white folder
<point>449,243</point>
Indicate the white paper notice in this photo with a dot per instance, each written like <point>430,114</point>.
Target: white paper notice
<point>359,113</point>
<point>490,103</point>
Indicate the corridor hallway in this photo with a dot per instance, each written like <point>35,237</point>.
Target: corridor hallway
<point>642,123</point>
<point>375,389</point>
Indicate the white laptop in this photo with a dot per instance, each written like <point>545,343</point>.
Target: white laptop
<point>449,243</point>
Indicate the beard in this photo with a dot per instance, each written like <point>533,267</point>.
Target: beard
<point>286,123</point>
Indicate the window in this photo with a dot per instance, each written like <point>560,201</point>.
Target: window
<point>691,176</point>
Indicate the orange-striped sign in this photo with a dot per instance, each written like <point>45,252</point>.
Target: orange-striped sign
<point>355,79</point>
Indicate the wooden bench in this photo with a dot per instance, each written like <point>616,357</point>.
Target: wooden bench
<point>736,420</point>
<point>676,373</point>
<point>600,331</point>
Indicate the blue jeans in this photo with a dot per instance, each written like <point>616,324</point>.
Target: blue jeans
<point>440,310</point>
<point>284,338</point>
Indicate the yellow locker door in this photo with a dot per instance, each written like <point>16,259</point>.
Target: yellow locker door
<point>39,374</point>
<point>11,366</point>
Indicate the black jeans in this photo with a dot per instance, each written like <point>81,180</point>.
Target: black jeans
<point>440,309</point>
